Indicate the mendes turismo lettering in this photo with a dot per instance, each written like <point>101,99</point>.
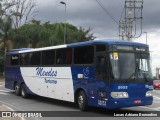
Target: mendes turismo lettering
<point>45,73</point>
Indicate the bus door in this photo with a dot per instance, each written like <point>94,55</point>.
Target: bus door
<point>101,80</point>
<point>101,67</point>
<point>101,72</point>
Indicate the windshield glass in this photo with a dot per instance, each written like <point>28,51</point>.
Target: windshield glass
<point>130,66</point>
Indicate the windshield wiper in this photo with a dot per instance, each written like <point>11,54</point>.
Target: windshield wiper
<point>145,77</point>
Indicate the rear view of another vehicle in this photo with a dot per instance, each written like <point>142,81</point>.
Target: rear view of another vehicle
<point>156,84</point>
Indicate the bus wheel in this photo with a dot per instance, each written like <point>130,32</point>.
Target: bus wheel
<point>23,91</point>
<point>17,89</point>
<point>82,101</point>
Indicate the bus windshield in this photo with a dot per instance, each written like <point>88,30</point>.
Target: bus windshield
<point>127,66</point>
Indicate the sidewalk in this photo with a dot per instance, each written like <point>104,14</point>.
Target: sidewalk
<point>4,107</point>
<point>1,79</point>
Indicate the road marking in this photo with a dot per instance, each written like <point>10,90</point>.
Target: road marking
<point>156,97</point>
<point>7,91</point>
<point>2,93</point>
<point>156,101</point>
<point>156,91</point>
<point>10,109</point>
<point>157,108</point>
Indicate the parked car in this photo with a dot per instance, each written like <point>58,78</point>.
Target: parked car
<point>156,84</point>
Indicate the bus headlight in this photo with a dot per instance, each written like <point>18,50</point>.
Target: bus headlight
<point>119,95</point>
<point>148,93</point>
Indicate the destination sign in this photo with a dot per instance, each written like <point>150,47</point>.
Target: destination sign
<point>128,48</point>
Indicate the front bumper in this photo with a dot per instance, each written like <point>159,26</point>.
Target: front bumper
<point>120,103</point>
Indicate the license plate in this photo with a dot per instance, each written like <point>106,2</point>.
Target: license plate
<point>137,101</point>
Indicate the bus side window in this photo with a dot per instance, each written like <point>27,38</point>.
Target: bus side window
<point>101,67</point>
<point>23,59</point>
<point>35,58</point>
<point>14,59</point>
<point>48,57</point>
<point>64,56</point>
<point>69,56</point>
<point>84,55</point>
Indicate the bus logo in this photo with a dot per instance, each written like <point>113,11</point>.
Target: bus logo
<point>86,71</point>
<point>149,87</point>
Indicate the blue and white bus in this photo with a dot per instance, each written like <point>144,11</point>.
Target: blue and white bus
<point>102,73</point>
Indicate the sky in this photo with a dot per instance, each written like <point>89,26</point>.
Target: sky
<point>88,14</point>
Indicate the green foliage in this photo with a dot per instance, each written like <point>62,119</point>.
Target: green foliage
<point>1,59</point>
<point>1,62</point>
<point>41,35</point>
<point>5,27</point>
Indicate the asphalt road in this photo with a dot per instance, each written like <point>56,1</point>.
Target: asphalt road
<point>68,109</point>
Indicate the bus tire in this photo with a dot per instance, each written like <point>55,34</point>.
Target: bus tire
<point>17,89</point>
<point>23,91</point>
<point>82,101</point>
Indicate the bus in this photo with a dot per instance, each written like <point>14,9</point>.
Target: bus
<point>107,74</point>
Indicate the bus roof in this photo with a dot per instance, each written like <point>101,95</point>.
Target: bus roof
<point>108,42</point>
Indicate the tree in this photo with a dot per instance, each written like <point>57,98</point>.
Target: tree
<point>6,7</point>
<point>12,11</point>
<point>1,65</point>
<point>24,9</point>
<point>36,34</point>
<point>5,27</point>
<point>21,11</point>
<point>79,34</point>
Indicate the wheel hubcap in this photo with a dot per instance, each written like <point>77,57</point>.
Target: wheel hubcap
<point>16,88</point>
<point>80,100</point>
<point>23,92</point>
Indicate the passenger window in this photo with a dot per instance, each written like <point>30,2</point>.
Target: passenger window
<point>14,59</point>
<point>64,56</point>
<point>48,57</point>
<point>24,59</point>
<point>84,55</point>
<point>35,58</point>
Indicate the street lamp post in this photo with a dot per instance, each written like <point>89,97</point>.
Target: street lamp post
<point>65,27</point>
<point>146,37</point>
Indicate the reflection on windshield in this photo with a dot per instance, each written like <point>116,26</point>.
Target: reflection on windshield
<point>130,66</point>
